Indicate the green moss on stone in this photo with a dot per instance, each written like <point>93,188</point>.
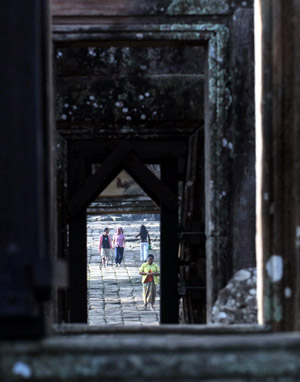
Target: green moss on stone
<point>198,7</point>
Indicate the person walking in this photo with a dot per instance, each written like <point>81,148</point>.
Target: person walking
<point>145,242</point>
<point>105,246</point>
<point>119,245</point>
<point>150,272</point>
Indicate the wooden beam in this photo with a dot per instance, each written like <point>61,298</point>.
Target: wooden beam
<point>169,302</point>
<point>153,186</point>
<point>101,179</point>
<point>76,298</point>
<point>77,293</point>
<point>148,151</point>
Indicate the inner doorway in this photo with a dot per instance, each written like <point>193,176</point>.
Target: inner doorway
<point>126,94</point>
<point>115,293</point>
<point>85,186</point>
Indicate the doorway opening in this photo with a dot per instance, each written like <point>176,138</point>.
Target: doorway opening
<point>115,290</point>
<point>115,293</point>
<point>153,111</point>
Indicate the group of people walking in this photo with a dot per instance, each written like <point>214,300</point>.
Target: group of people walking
<point>149,270</point>
<point>106,245</point>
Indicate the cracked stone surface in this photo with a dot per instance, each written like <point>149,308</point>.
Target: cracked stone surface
<point>115,293</point>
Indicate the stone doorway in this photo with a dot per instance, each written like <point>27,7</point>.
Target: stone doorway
<point>207,86</point>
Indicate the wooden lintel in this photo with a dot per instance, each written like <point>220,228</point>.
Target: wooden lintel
<point>153,152</point>
<point>154,187</point>
<point>101,179</point>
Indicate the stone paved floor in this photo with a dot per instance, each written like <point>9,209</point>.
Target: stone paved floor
<point>115,293</point>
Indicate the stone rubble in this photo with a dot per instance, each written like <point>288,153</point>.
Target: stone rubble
<point>236,303</point>
<point>115,293</point>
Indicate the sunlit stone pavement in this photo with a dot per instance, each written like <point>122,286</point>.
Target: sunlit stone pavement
<point>115,293</point>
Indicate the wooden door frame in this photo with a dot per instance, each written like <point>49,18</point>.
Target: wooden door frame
<point>83,189</point>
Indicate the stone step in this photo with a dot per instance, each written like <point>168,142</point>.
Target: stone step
<point>179,354</point>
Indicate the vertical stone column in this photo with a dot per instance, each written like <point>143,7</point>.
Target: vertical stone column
<point>25,275</point>
<point>243,139</point>
<point>278,217</point>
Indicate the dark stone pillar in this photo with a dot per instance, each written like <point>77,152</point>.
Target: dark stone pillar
<point>278,182</point>
<point>24,160</point>
<point>243,178</point>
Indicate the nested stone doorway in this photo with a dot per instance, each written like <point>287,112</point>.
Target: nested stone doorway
<point>94,97</point>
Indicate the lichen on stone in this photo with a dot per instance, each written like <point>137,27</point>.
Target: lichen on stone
<point>198,7</point>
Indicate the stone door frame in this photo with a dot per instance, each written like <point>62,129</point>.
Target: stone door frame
<point>217,124</point>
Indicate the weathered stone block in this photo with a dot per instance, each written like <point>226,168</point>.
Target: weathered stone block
<point>128,60</point>
<point>236,303</point>
<point>94,8</point>
<point>167,357</point>
<point>130,85</point>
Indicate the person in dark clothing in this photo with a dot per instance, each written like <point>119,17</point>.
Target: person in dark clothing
<point>145,242</point>
<point>105,246</point>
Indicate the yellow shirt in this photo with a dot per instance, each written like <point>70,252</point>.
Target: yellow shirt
<point>154,269</point>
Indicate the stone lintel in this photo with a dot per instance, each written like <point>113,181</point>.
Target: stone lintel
<point>106,8</point>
